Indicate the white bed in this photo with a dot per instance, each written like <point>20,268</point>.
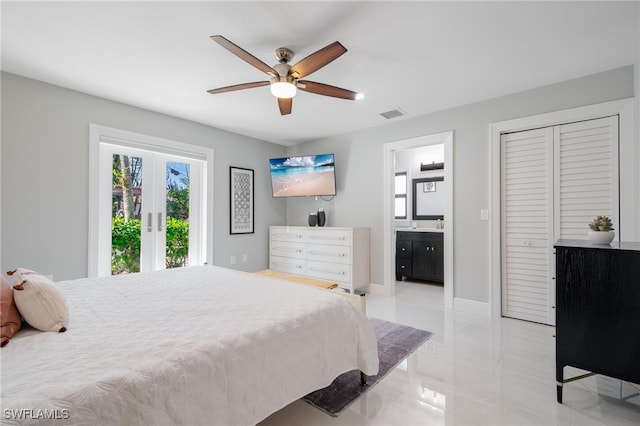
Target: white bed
<point>198,345</point>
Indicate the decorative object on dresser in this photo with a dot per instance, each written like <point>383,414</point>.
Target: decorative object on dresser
<point>597,305</point>
<point>337,254</point>
<point>313,219</point>
<point>322,217</point>
<point>241,202</point>
<point>420,255</point>
<point>601,230</point>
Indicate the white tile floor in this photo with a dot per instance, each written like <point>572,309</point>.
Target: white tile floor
<point>473,371</point>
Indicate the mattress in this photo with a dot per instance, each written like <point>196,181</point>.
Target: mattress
<point>197,345</point>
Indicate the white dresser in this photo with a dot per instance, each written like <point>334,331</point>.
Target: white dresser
<point>328,253</point>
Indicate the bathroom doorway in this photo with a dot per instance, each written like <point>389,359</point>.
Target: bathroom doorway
<point>390,151</point>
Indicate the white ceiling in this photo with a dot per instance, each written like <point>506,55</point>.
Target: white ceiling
<point>417,56</point>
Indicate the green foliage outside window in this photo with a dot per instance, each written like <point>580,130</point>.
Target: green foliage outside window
<point>177,242</point>
<point>125,244</point>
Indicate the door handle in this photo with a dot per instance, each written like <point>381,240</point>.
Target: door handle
<point>149,220</point>
<point>159,222</point>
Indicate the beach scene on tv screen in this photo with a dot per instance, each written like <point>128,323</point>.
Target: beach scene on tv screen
<point>300,176</point>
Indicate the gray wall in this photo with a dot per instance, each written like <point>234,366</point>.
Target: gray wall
<point>44,173</point>
<point>359,161</point>
<point>44,176</point>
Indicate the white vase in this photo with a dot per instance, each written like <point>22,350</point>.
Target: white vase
<point>601,237</point>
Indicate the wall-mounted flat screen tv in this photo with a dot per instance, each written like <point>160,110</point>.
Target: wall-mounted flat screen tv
<point>308,175</point>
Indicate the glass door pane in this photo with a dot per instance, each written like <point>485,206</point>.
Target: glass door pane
<point>126,208</point>
<point>146,218</point>
<point>178,188</point>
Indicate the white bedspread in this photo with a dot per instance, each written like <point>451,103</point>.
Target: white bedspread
<point>198,345</point>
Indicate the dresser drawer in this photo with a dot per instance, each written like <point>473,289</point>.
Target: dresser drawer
<point>287,249</point>
<point>284,233</point>
<point>329,271</point>
<point>329,253</point>
<point>287,265</point>
<point>329,236</point>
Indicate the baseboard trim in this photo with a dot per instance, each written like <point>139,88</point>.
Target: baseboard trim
<point>378,289</point>
<point>471,306</point>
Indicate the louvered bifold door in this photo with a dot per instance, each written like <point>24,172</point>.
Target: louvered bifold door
<point>586,170</point>
<point>527,224</point>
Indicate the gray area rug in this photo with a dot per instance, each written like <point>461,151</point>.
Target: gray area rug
<point>395,343</point>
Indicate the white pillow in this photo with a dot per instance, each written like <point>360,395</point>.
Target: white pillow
<point>39,301</point>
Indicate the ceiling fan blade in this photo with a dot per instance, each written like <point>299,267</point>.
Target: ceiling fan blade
<point>244,55</point>
<point>285,105</point>
<point>326,90</point>
<point>317,60</point>
<point>238,87</point>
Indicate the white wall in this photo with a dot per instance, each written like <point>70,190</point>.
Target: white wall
<point>410,160</point>
<point>359,157</point>
<point>44,176</point>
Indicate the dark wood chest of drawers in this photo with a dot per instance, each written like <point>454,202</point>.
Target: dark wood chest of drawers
<point>598,309</point>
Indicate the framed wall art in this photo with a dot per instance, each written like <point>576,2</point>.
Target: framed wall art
<point>429,187</point>
<point>241,200</point>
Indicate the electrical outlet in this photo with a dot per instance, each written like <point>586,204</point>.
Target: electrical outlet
<point>233,260</point>
<point>244,258</point>
<point>484,214</point>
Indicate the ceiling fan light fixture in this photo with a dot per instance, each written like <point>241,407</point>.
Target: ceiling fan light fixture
<point>286,79</point>
<point>282,88</point>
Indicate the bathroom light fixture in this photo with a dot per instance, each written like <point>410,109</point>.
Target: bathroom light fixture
<point>432,166</point>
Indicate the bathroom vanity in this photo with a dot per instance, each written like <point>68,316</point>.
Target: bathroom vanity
<point>420,254</point>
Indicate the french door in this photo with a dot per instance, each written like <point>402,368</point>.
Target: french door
<point>150,210</point>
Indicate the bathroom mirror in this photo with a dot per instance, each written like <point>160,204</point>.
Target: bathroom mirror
<point>428,198</point>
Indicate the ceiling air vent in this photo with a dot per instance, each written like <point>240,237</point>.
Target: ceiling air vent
<point>393,113</point>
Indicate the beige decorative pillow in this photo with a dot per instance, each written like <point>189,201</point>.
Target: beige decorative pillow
<point>40,302</point>
<point>11,320</point>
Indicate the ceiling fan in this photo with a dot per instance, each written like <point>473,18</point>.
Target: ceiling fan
<point>286,79</point>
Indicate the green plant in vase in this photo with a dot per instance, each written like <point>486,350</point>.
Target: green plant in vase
<point>601,230</point>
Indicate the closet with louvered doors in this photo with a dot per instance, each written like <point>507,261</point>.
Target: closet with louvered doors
<point>554,181</point>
